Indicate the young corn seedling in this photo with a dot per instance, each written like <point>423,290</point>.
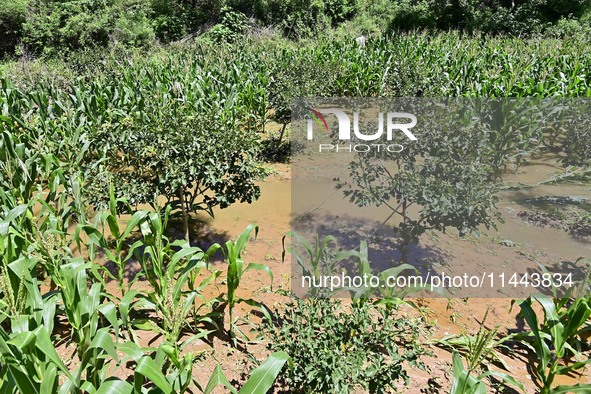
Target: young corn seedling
<point>233,253</point>
<point>171,269</point>
<point>261,380</point>
<point>480,348</point>
<point>314,260</point>
<point>551,337</point>
<point>466,383</point>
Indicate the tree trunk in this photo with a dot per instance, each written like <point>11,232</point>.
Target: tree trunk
<point>185,215</point>
<point>278,143</point>
<point>405,241</point>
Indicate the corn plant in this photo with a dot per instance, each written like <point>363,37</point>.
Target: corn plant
<point>27,351</point>
<point>233,253</point>
<point>314,260</point>
<point>466,383</point>
<point>171,374</point>
<point>479,348</point>
<point>85,311</point>
<point>120,235</point>
<point>389,296</point>
<point>551,339</point>
<point>22,305</point>
<point>261,380</point>
<point>170,272</point>
<point>30,363</point>
<point>162,367</point>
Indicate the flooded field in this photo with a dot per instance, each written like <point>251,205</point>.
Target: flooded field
<point>517,242</point>
<point>519,239</point>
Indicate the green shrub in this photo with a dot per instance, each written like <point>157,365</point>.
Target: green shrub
<point>231,27</point>
<point>133,28</point>
<point>565,28</point>
<point>53,26</point>
<point>168,19</point>
<point>12,16</point>
<point>409,15</point>
<point>337,350</point>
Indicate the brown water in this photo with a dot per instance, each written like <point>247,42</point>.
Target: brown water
<point>515,246</point>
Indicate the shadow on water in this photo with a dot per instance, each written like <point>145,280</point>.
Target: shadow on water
<point>383,243</point>
<point>565,208</point>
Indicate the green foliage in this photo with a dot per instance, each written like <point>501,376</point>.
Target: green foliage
<point>576,140</point>
<point>12,16</point>
<point>260,381</point>
<point>231,27</point>
<point>43,218</point>
<point>384,295</point>
<point>514,18</point>
<point>233,253</point>
<point>50,27</point>
<point>409,15</point>
<point>446,176</point>
<point>169,19</point>
<point>479,349</point>
<point>165,139</point>
<point>314,260</point>
<point>112,130</point>
<point>554,336</point>
<point>53,26</point>
<point>300,19</point>
<point>466,383</point>
<point>30,362</point>
<point>172,274</point>
<point>337,350</point>
<point>109,219</point>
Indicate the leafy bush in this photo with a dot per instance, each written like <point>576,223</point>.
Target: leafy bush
<point>12,16</point>
<point>53,26</point>
<point>169,19</point>
<point>445,176</point>
<point>510,17</point>
<point>230,28</point>
<point>177,138</point>
<point>409,15</point>
<point>337,350</point>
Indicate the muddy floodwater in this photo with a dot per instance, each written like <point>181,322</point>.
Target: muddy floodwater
<point>521,243</point>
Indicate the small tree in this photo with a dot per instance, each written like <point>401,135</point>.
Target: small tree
<point>309,76</point>
<point>444,177</point>
<point>191,153</point>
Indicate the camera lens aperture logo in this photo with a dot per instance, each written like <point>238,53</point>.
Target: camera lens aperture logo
<point>387,124</point>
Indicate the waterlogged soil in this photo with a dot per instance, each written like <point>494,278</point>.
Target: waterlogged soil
<point>519,241</point>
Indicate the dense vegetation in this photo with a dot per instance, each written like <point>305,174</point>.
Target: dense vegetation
<point>109,137</point>
<point>52,27</point>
